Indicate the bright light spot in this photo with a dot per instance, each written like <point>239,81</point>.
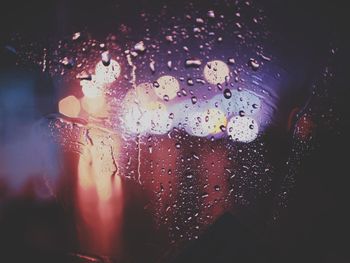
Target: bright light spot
<point>90,88</point>
<point>97,165</point>
<point>168,85</point>
<point>107,74</point>
<point>214,119</point>
<point>140,116</point>
<point>95,106</point>
<point>240,101</point>
<point>85,177</point>
<point>133,117</point>
<point>196,124</point>
<point>69,106</point>
<point>159,118</point>
<point>216,71</point>
<point>145,93</point>
<point>243,129</point>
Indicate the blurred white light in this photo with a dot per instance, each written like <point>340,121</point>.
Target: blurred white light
<point>243,129</point>
<point>214,119</point>
<point>106,74</point>
<point>195,124</point>
<point>167,86</point>
<point>159,118</point>
<point>141,117</point>
<point>134,120</point>
<point>145,93</point>
<point>216,72</point>
<point>240,101</point>
<point>90,88</point>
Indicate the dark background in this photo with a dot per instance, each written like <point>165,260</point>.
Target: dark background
<point>314,227</point>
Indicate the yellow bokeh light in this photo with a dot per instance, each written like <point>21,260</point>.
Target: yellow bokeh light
<point>216,72</point>
<point>69,106</point>
<point>97,107</point>
<point>215,119</point>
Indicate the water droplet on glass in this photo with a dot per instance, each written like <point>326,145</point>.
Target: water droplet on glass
<point>156,84</point>
<point>67,62</point>
<point>193,62</point>
<point>190,82</point>
<point>199,20</point>
<point>211,14</point>
<point>169,38</point>
<point>140,47</point>
<point>106,58</point>
<point>241,113</point>
<point>76,36</point>
<point>169,64</point>
<point>152,66</point>
<point>253,64</point>
<point>231,61</point>
<point>227,93</point>
<point>166,97</point>
<point>194,99</point>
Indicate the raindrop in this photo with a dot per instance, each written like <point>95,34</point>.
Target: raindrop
<point>190,82</point>
<point>76,36</point>
<point>194,99</point>
<point>106,58</point>
<point>253,64</point>
<point>169,64</point>
<point>195,156</point>
<point>152,66</point>
<point>199,20</point>
<point>231,61</point>
<point>169,38</point>
<point>177,145</point>
<point>193,62</point>
<point>83,76</point>
<point>217,188</point>
<point>67,62</point>
<point>156,84</point>
<point>223,128</point>
<point>241,113</point>
<point>140,47</point>
<point>227,93</point>
<point>166,97</point>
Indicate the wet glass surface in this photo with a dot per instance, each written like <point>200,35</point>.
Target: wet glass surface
<point>133,136</point>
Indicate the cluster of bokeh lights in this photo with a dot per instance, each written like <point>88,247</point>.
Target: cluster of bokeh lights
<point>155,108</point>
